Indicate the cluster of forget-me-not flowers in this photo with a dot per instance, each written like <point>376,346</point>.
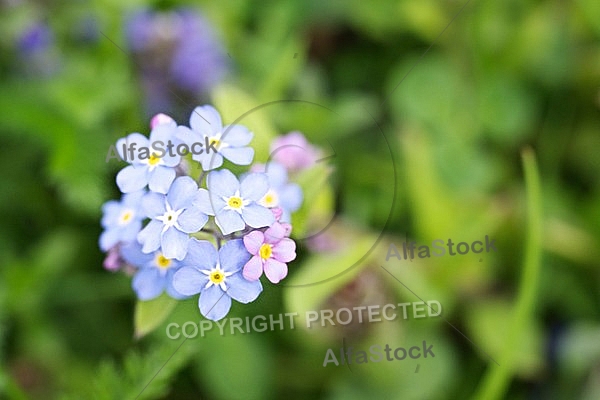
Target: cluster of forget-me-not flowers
<point>214,236</point>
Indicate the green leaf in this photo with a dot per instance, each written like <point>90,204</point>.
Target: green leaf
<point>487,318</point>
<point>150,314</point>
<point>318,203</point>
<point>236,367</point>
<point>324,273</point>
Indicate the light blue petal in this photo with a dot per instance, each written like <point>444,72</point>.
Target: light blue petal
<point>148,284</point>
<point>174,243</point>
<point>209,161</point>
<point>188,136</point>
<point>277,174</point>
<point>236,135</point>
<point>133,254</point>
<point>243,290</point>
<point>182,192</point>
<point>214,303</point>
<point>132,178</point>
<point>164,140</point>
<point>257,216</point>
<point>139,140</point>
<point>222,183</point>
<point>206,120</point>
<point>149,237</point>
<point>134,199</point>
<point>290,197</point>
<point>163,133</point>
<point>229,221</point>
<point>238,155</point>
<point>161,179</point>
<point>202,202</point>
<point>170,289</point>
<point>189,281</point>
<point>174,159</point>
<point>128,233</point>
<point>254,186</point>
<point>108,239</point>
<point>233,255</point>
<point>192,220</point>
<point>201,254</point>
<point>153,205</point>
<point>110,212</point>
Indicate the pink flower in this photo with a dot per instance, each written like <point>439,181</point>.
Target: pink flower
<point>270,251</point>
<point>294,152</point>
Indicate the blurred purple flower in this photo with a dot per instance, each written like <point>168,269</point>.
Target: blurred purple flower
<point>179,45</point>
<point>36,49</point>
<point>37,38</point>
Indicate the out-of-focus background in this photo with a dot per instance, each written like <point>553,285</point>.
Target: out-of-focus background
<point>423,148</point>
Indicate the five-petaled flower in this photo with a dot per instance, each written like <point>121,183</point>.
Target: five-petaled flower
<point>182,211</point>
<point>287,196</point>
<point>216,276</point>
<point>271,251</point>
<point>155,272</point>
<point>151,163</point>
<point>122,220</point>
<point>235,204</point>
<point>230,141</point>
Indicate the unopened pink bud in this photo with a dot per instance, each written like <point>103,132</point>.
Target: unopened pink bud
<point>113,260</point>
<point>277,213</point>
<point>160,119</point>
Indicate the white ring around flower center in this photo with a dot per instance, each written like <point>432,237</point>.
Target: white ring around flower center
<point>169,218</point>
<point>270,199</point>
<point>126,216</point>
<point>235,202</point>
<point>216,276</point>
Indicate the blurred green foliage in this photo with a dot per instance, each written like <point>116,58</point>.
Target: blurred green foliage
<point>432,154</point>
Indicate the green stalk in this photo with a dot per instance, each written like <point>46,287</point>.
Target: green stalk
<point>495,382</point>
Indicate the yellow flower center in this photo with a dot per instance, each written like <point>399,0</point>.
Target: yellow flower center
<point>163,262</point>
<point>216,277</point>
<point>214,141</point>
<point>270,199</point>
<point>234,202</point>
<point>153,160</point>
<point>126,217</point>
<point>265,251</point>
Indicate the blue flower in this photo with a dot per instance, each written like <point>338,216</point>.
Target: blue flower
<point>182,211</point>
<point>122,220</point>
<point>235,204</point>
<point>216,276</point>
<point>230,141</point>
<point>281,193</point>
<point>152,163</point>
<point>154,275</point>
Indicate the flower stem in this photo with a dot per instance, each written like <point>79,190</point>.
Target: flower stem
<point>495,382</point>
